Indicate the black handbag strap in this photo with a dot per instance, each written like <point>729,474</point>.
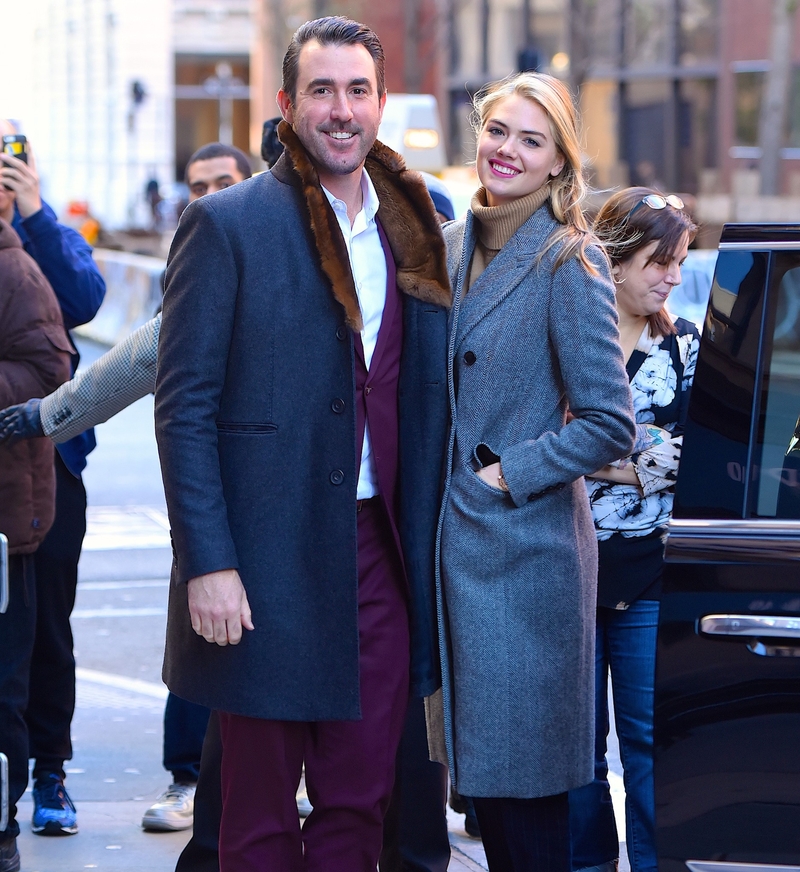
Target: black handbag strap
<point>635,362</point>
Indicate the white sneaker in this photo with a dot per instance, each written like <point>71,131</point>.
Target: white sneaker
<point>173,810</point>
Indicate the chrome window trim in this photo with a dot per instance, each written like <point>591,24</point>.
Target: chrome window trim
<point>730,866</point>
<point>4,591</point>
<point>4,804</point>
<point>761,540</point>
<point>760,246</point>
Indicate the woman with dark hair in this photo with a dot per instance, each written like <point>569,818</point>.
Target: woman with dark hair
<point>532,333</point>
<point>646,235</point>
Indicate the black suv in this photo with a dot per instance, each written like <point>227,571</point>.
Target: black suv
<point>727,718</point>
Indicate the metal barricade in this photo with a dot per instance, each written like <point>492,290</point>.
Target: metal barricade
<point>3,758</point>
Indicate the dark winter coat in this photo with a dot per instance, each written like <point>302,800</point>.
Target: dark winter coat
<point>34,360</point>
<point>65,258</point>
<point>259,463</point>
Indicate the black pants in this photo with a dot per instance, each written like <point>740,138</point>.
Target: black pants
<point>51,702</point>
<point>525,835</point>
<point>415,839</point>
<point>17,628</point>
<point>201,852</point>
<point>415,828</point>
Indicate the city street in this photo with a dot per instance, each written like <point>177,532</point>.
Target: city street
<point>118,624</point>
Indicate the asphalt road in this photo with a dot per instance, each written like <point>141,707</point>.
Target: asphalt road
<point>119,623</point>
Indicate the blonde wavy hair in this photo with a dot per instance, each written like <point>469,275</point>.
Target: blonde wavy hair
<point>568,189</point>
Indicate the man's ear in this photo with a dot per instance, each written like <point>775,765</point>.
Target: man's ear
<point>285,105</point>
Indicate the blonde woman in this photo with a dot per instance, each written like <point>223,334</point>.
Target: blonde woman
<point>533,334</point>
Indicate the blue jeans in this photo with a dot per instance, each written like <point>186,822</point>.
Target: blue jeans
<point>184,730</point>
<point>626,644</point>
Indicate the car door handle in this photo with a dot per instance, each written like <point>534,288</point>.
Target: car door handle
<point>753,628</point>
<point>3,574</point>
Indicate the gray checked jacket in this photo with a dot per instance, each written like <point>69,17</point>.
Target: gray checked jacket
<point>121,376</point>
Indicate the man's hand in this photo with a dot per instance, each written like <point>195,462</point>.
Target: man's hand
<point>218,606</point>
<point>21,178</point>
<point>20,422</point>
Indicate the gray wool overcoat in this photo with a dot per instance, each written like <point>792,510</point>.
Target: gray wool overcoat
<point>516,579</point>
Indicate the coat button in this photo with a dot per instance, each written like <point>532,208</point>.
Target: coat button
<point>337,476</point>
<point>338,405</point>
<point>341,332</point>
<point>470,357</point>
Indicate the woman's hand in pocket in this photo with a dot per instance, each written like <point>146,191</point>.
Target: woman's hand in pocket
<point>491,475</point>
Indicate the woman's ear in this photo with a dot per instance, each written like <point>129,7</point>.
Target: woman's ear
<point>558,165</point>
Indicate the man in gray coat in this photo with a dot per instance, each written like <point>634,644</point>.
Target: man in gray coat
<point>300,414</point>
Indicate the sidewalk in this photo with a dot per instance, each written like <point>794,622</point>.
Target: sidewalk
<point>111,839</point>
<point>116,772</point>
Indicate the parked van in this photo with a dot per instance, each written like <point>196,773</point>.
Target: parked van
<point>412,127</point>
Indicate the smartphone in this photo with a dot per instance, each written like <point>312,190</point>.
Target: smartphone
<point>16,145</point>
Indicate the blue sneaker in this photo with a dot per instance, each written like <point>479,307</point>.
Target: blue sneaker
<point>53,811</point>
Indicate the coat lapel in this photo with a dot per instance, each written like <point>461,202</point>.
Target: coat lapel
<point>505,273</point>
<point>406,211</point>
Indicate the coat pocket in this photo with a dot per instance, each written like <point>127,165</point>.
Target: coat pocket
<point>246,429</point>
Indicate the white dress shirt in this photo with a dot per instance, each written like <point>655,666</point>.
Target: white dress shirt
<point>368,265</point>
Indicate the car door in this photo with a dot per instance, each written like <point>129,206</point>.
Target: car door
<point>727,708</point>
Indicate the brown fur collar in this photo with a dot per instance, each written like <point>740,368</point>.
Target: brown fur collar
<point>406,214</point>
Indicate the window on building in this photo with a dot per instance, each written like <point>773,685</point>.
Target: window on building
<point>212,103</point>
<point>699,31</point>
<point>749,86</point>
<point>749,96</point>
<point>648,32</point>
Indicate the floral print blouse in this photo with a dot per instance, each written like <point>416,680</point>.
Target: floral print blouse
<point>660,389</point>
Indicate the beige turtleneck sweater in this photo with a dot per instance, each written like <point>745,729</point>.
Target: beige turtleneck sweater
<point>497,224</point>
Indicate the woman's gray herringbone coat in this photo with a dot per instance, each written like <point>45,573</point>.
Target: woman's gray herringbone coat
<point>517,571</point>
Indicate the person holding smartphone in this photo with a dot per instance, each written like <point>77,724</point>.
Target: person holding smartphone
<point>66,260</point>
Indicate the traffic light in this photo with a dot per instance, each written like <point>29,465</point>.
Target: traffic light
<point>138,93</point>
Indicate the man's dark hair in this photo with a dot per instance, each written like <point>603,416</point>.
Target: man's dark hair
<point>333,30</point>
<point>219,149</point>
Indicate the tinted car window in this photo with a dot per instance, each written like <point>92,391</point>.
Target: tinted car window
<point>715,457</point>
<point>776,467</point>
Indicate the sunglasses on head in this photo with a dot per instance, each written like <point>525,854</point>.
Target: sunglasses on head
<point>657,202</point>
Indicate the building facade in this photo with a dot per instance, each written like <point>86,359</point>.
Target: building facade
<point>670,90</point>
<point>122,92</point>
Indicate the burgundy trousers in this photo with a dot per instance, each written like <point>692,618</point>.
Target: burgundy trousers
<point>349,764</point>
